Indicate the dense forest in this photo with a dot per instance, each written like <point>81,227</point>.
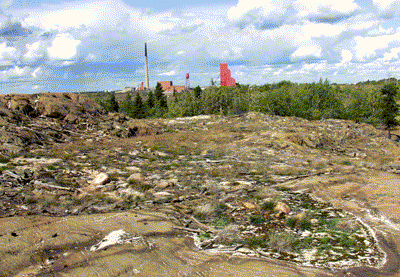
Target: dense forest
<point>371,102</point>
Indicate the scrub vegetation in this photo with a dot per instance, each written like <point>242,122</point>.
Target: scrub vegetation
<point>368,102</point>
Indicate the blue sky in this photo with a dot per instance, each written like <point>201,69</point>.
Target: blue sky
<point>87,45</point>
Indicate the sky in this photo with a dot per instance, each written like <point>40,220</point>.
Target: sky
<point>95,45</point>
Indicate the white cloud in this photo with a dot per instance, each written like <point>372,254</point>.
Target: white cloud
<point>367,47</point>
<point>329,11</point>
<point>393,55</point>
<point>307,51</point>
<point>267,14</point>
<point>347,56</point>
<point>8,54</point>
<point>37,72</point>
<point>34,52</point>
<point>170,73</point>
<point>63,47</point>
<point>383,4</point>
<point>14,73</point>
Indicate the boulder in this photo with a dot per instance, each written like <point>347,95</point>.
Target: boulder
<point>100,179</point>
<point>249,205</point>
<point>131,193</point>
<point>281,207</point>
<point>300,216</point>
<point>162,184</point>
<point>161,195</point>
<point>136,177</point>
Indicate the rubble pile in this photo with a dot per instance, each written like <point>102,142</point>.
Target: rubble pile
<point>29,121</point>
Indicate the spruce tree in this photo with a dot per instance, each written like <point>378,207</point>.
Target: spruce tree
<point>150,100</point>
<point>127,105</point>
<point>390,107</point>
<point>112,104</point>
<point>138,107</point>
<point>161,101</point>
<point>197,91</point>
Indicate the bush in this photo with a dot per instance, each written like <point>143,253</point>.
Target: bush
<point>256,219</point>
<point>305,224</point>
<point>254,242</point>
<point>389,105</point>
<point>291,222</point>
<point>268,206</point>
<point>220,209</point>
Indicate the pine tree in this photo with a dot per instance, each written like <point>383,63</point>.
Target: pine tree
<point>150,100</point>
<point>161,101</point>
<point>127,105</point>
<point>390,107</point>
<point>138,107</point>
<point>197,91</point>
<point>112,104</point>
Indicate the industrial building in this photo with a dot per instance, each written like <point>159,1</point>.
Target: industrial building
<point>169,88</point>
<point>225,75</point>
<point>226,79</point>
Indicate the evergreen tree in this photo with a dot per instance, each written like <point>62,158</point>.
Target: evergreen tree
<point>197,91</point>
<point>138,107</point>
<point>161,101</point>
<point>112,104</point>
<point>127,105</point>
<point>150,100</point>
<point>390,107</point>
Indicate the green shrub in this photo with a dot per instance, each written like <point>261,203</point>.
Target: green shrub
<point>281,241</point>
<point>306,205</point>
<point>305,224</point>
<point>256,219</point>
<point>291,222</point>
<point>220,209</point>
<point>346,163</point>
<point>268,206</point>
<point>254,242</point>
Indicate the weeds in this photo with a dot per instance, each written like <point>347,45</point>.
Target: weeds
<point>305,224</point>
<point>281,242</point>
<point>256,219</point>
<point>291,222</point>
<point>268,206</point>
<point>254,242</point>
<point>220,209</point>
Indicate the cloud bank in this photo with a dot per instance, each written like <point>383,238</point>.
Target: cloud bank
<point>88,45</point>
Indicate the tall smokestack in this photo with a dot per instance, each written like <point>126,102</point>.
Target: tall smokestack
<point>146,61</point>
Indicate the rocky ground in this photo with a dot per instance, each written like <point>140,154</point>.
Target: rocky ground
<point>84,192</point>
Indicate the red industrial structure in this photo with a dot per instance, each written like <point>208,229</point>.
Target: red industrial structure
<point>226,79</point>
<point>168,87</point>
<point>141,88</point>
<point>187,81</point>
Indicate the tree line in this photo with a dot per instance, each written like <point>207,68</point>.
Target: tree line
<point>314,101</point>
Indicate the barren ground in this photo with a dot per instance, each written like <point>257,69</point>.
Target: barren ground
<point>198,197</point>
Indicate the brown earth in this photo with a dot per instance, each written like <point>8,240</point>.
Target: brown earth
<point>160,175</point>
